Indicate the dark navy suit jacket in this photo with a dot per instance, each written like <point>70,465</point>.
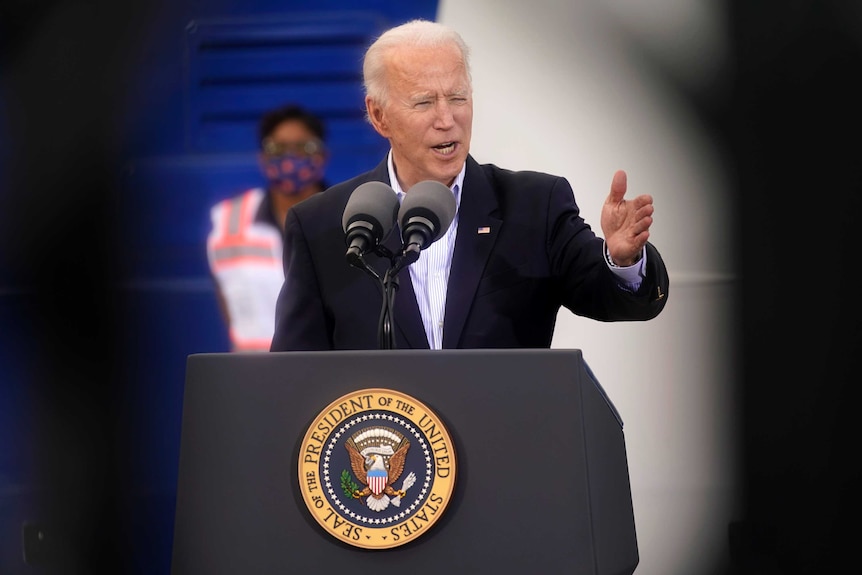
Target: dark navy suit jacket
<point>506,285</point>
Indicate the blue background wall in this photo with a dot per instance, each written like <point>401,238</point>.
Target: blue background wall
<point>129,122</point>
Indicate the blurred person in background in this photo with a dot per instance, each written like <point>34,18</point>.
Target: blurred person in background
<point>244,246</point>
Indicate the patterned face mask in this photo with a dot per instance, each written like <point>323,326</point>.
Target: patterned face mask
<point>292,167</point>
<point>293,173</point>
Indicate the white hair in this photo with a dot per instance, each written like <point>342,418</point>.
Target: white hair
<point>419,32</point>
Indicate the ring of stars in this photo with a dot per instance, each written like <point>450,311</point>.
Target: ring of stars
<point>333,494</point>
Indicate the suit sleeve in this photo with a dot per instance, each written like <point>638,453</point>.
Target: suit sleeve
<point>588,287</point>
<point>300,320</point>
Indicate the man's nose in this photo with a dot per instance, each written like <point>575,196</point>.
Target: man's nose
<point>444,118</point>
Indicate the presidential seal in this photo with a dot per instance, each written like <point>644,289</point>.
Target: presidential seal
<point>377,468</point>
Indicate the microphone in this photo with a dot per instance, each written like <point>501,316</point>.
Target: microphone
<point>368,218</point>
<point>426,212</point>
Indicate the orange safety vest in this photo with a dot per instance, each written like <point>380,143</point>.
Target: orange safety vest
<point>245,258</point>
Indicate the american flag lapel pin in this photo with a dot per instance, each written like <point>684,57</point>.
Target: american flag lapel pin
<point>484,230</point>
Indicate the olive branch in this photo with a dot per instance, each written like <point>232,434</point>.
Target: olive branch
<point>347,485</point>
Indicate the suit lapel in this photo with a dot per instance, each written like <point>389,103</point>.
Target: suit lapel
<point>477,232</point>
<point>406,312</point>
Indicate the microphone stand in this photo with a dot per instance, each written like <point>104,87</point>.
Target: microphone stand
<point>397,263</point>
<point>389,286</point>
<point>384,332</point>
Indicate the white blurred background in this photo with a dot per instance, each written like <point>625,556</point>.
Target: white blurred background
<point>580,89</point>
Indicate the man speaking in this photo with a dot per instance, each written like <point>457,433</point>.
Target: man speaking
<point>514,249</point>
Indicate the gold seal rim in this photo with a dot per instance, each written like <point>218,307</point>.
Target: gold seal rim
<point>320,506</point>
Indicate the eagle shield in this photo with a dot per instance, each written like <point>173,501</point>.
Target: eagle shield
<point>377,456</point>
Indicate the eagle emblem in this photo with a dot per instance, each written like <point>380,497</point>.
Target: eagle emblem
<point>377,456</point>
<point>376,468</point>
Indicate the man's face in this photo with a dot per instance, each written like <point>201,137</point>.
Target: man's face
<point>428,118</point>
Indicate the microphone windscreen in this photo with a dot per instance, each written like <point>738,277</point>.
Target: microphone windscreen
<point>375,203</point>
<point>431,200</point>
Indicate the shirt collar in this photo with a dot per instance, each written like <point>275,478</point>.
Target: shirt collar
<point>456,186</point>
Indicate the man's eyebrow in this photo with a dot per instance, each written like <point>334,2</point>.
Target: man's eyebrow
<point>422,96</point>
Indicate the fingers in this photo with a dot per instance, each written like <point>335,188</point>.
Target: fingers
<point>643,207</point>
<point>640,241</point>
<point>643,211</point>
<point>640,226</point>
<point>639,220</point>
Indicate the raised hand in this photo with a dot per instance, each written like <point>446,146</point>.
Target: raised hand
<point>625,223</point>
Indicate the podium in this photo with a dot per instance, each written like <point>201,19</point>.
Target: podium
<point>542,480</point>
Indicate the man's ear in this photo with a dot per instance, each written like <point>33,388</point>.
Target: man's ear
<point>377,117</point>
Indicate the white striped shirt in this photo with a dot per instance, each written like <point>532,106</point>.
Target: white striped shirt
<point>430,273</point>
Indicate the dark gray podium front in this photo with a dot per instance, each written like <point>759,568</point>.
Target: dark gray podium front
<point>542,478</point>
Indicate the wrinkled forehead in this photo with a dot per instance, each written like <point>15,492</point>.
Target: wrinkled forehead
<point>424,68</point>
